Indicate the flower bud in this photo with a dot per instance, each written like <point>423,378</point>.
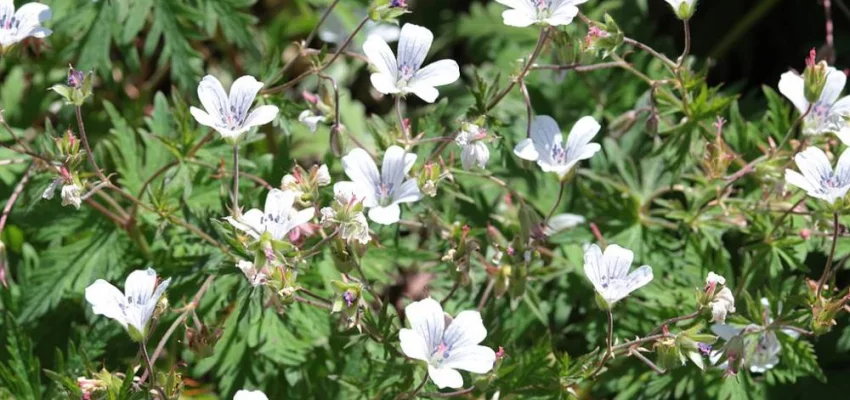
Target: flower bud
<point>387,10</point>
<point>814,77</point>
<point>667,353</point>
<point>684,9</point>
<point>824,312</point>
<point>335,141</point>
<point>78,88</point>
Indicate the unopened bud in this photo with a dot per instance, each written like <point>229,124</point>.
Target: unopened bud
<point>814,77</point>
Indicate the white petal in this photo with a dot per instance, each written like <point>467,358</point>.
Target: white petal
<point>413,345</point>
<point>250,395</point>
<point>841,107</point>
<point>563,222</point>
<point>139,286</point>
<point>835,81</point>
<point>381,56</point>
<point>203,117</point>
<point>639,278</point>
<point>395,165</point>
<point>617,261</point>
<point>413,46</point>
<point>842,168</point>
<point>578,145</point>
<point>593,264</point>
<point>408,192</point>
<point>844,135</point>
<point>563,15</point>
<point>214,98</point>
<point>467,329</point>
<point>545,133</point>
<point>428,94</point>
<point>526,150</point>
<point>360,168</point>
<point>345,190</point>
<point>385,215</point>
<point>445,377</point>
<point>29,17</point>
<point>477,359</point>
<point>427,319</point>
<point>725,332</point>
<point>250,222</point>
<point>389,32</point>
<point>260,116</point>
<point>302,217</point>
<point>107,300</point>
<point>792,86</point>
<point>310,120</point>
<point>522,5</point>
<point>277,212</point>
<point>438,73</point>
<point>384,84</point>
<point>243,91</point>
<point>794,178</point>
<point>517,18</point>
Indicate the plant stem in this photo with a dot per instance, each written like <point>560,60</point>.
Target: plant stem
<point>150,371</point>
<point>14,197</point>
<point>609,344</point>
<point>81,126</point>
<point>418,389</point>
<point>401,124</point>
<point>323,67</point>
<point>558,202</point>
<point>669,63</point>
<point>528,110</point>
<point>541,41</point>
<point>486,296</point>
<point>579,67</point>
<point>793,127</point>
<point>236,212</point>
<point>657,369</point>
<point>675,320</point>
<point>687,43</point>
<point>827,270</point>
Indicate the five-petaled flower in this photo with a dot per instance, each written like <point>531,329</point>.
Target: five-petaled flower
<point>473,149</point>
<point>546,144</point>
<point>818,178</point>
<point>381,192</point>
<point>525,13</point>
<point>405,74</point>
<point>16,26</point>
<point>134,308</point>
<point>609,272</point>
<point>827,115</point>
<point>446,344</point>
<point>231,115</point>
<point>250,395</point>
<point>277,219</point>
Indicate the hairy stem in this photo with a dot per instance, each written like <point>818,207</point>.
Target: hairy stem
<point>828,269</point>
<point>236,211</point>
<point>82,127</point>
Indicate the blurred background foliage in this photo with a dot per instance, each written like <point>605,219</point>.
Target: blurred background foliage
<point>645,192</point>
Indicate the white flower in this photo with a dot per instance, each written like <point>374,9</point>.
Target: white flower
<point>229,115</point>
<point>684,9</point>
<point>352,223</point>
<point>761,350</point>
<point>403,75</point>
<point>828,114</point>
<point>323,176</point>
<point>382,192</point>
<point>548,12</point>
<point>818,179</point>
<point>609,272</point>
<point>446,344</point>
<point>473,149</point>
<point>546,144</point>
<point>26,22</point>
<point>134,308</point>
<point>311,120</point>
<point>562,222</point>
<point>71,195</point>
<point>278,217</point>
<point>250,395</point>
<point>257,278</point>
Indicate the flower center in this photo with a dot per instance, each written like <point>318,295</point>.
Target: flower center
<point>384,193</point>
<point>542,7</point>
<point>559,154</point>
<point>831,181</point>
<point>405,72</point>
<point>440,353</point>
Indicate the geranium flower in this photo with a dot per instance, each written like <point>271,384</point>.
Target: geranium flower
<point>16,26</point>
<point>829,114</point>
<point>473,149</point>
<point>311,120</point>
<point>609,272</point>
<point>721,302</point>
<point>546,144</point>
<point>404,74</point>
<point>382,192</point>
<point>346,213</point>
<point>818,179</point>
<point>761,347</point>
<point>250,395</point>
<point>229,115</point>
<point>561,223</point>
<point>525,13</point>
<point>278,217</point>
<point>132,309</point>
<point>446,344</point>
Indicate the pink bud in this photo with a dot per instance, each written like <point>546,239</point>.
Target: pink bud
<point>805,233</point>
<point>501,353</point>
<point>811,60</point>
